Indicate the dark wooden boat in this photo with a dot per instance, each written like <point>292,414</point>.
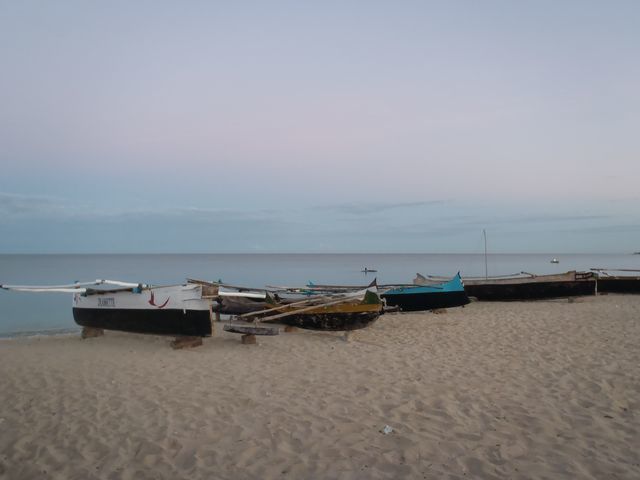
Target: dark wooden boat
<point>608,283</point>
<point>428,297</point>
<point>238,306</point>
<point>525,286</point>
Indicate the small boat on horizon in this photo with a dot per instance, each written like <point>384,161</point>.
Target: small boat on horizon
<point>366,270</point>
<point>555,260</point>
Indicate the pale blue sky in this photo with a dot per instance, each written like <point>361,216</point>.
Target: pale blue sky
<point>319,127</point>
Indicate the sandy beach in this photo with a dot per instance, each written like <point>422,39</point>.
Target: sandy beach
<point>544,390</point>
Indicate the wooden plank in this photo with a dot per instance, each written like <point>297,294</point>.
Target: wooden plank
<point>251,330</point>
<point>282,307</point>
<point>249,340</point>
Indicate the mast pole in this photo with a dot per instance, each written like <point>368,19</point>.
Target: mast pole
<point>486,272</point>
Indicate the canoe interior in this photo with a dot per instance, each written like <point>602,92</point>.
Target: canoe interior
<point>335,322</point>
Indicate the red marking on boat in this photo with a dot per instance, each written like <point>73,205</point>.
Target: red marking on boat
<point>152,301</point>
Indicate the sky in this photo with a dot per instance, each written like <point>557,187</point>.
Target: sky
<point>151,127</point>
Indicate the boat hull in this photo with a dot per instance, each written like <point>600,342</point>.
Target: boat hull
<point>530,290</point>
<point>428,297</point>
<point>335,322</point>
<point>619,285</point>
<point>194,323</point>
<point>413,302</point>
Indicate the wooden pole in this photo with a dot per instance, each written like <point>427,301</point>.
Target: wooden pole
<point>281,307</point>
<point>486,270</point>
<point>303,310</point>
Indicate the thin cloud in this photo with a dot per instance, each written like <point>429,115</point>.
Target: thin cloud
<point>370,208</point>
<point>535,219</point>
<point>614,229</point>
<point>34,206</point>
<point>14,204</point>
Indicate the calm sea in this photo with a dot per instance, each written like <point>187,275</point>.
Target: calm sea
<point>23,313</point>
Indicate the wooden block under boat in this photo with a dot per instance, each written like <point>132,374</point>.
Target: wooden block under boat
<point>186,342</point>
<point>90,332</point>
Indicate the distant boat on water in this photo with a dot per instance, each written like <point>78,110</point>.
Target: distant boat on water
<point>368,270</point>
<point>555,260</point>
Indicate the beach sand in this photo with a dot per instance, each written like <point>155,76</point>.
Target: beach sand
<point>546,389</point>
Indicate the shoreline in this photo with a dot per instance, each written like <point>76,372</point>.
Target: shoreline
<point>41,333</point>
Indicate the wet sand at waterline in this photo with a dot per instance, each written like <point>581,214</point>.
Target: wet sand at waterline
<point>545,389</point>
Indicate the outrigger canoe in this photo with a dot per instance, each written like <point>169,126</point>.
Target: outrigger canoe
<point>176,310</point>
<point>428,297</point>
<point>341,312</point>
<point>524,286</point>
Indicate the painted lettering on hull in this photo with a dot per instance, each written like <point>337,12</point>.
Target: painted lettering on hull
<point>107,302</point>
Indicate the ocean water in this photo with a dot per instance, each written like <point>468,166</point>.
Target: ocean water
<point>24,313</point>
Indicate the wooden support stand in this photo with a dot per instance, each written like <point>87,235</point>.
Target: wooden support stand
<point>347,336</point>
<point>249,332</point>
<point>211,318</point>
<point>290,329</point>
<point>439,310</point>
<point>89,332</point>
<point>186,342</point>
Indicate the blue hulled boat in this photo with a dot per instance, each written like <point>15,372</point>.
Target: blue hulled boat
<point>428,297</point>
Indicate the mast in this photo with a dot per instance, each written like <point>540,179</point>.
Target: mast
<point>486,272</point>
